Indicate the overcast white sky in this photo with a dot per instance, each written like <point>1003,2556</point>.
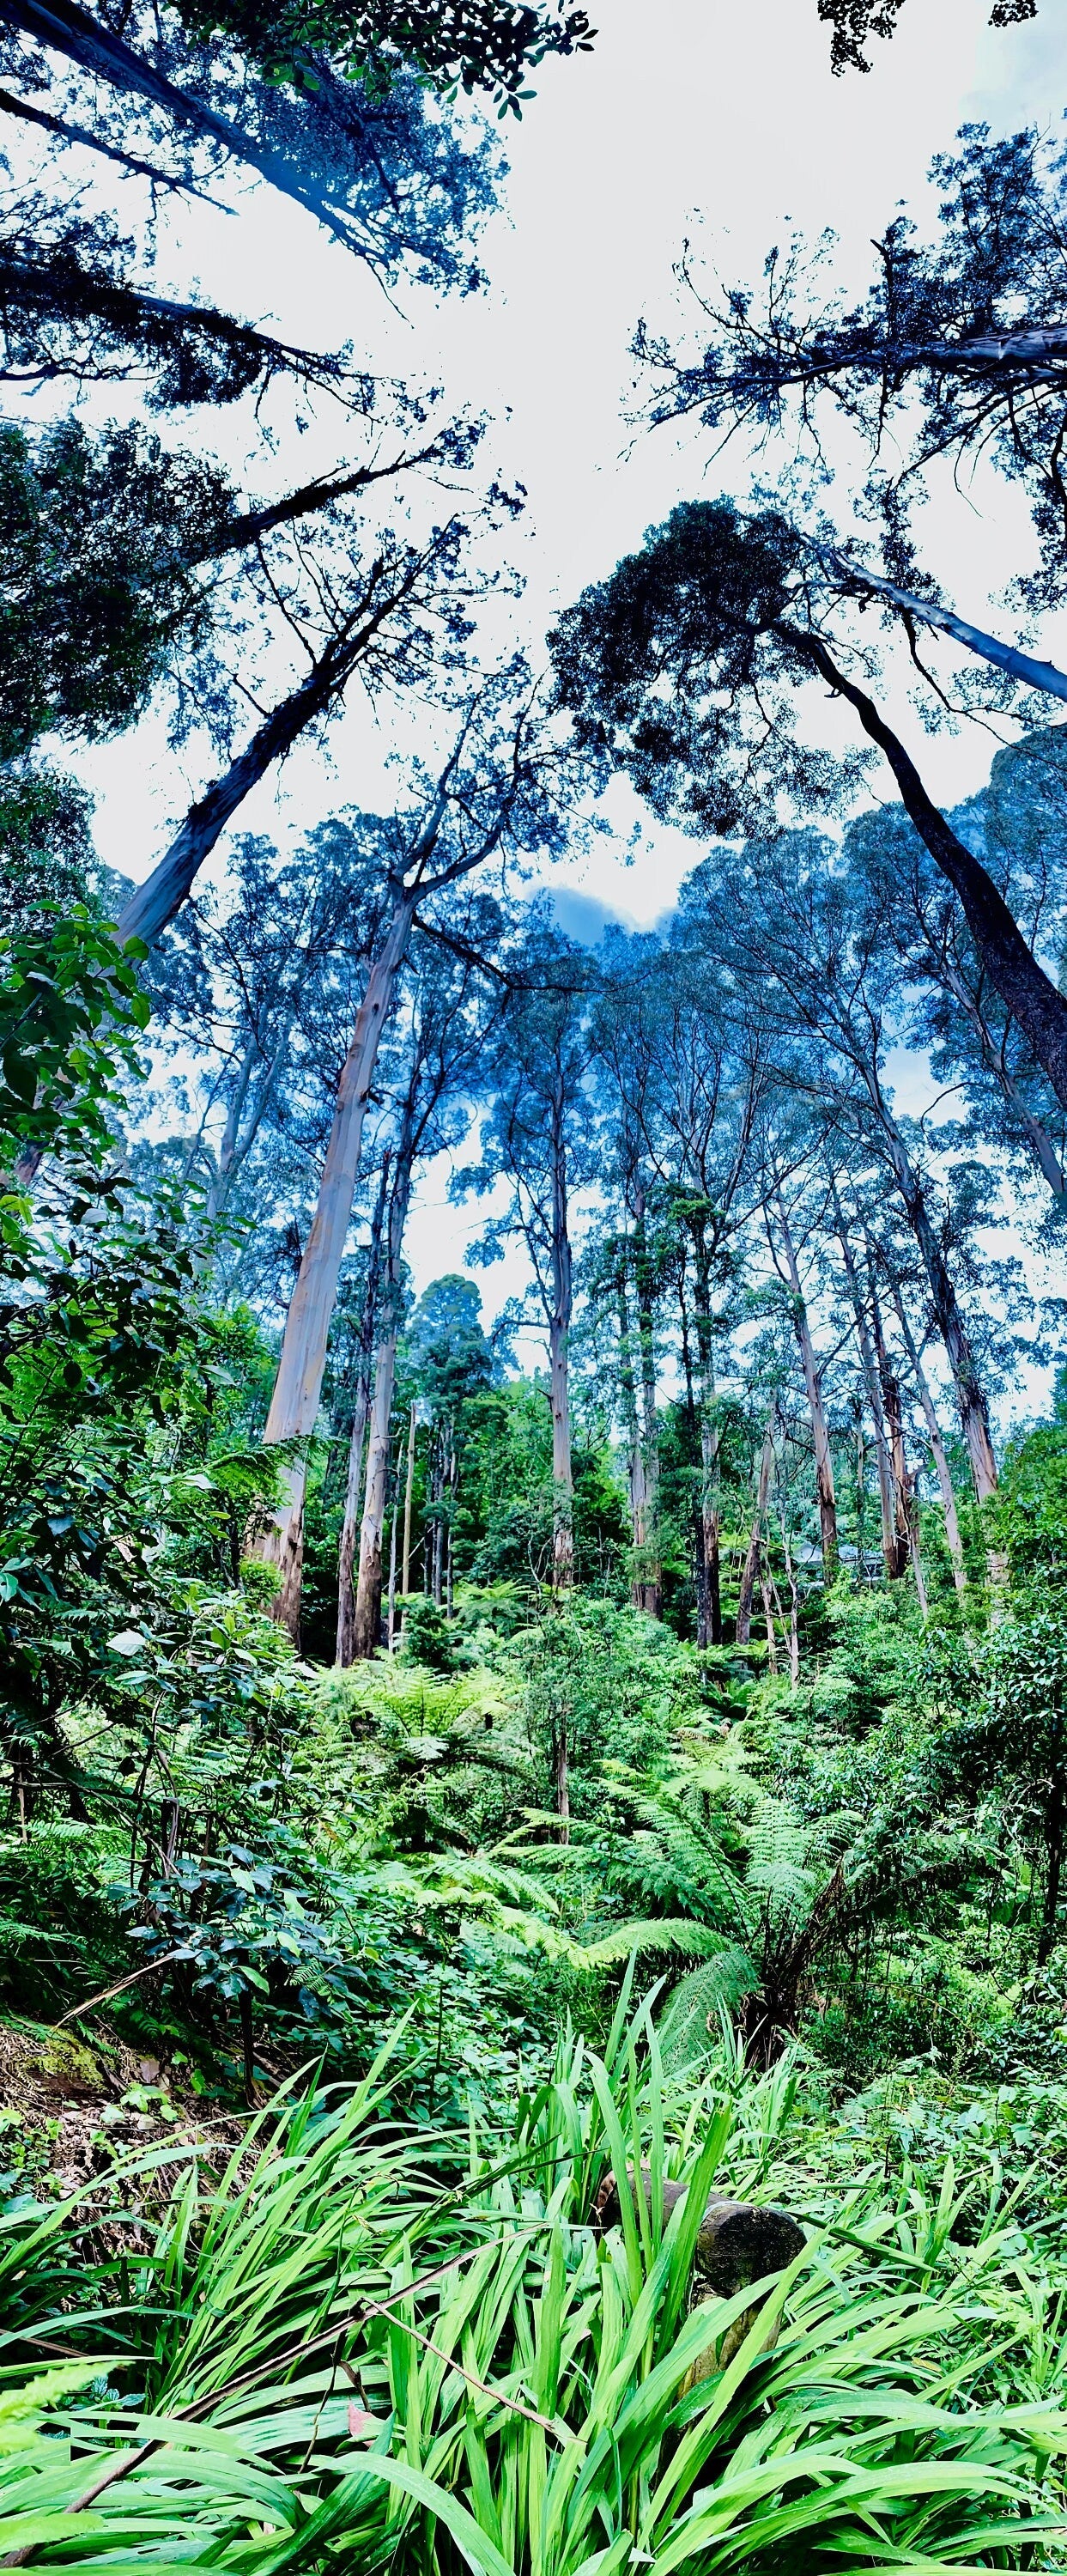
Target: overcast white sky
<point>717,114</point>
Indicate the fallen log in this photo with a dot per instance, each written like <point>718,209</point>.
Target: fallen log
<point>737,2242</point>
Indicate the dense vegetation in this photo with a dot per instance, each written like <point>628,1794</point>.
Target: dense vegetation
<point>492,1801</point>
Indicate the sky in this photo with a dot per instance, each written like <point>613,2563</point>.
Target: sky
<point>716,121</point>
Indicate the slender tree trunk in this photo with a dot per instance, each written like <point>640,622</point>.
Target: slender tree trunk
<point>392,1555</point>
<point>559,1360</point>
<point>635,1461</point>
<point>1054,1828</point>
<point>368,1611</point>
<point>710,1516</point>
<point>894,1418</point>
<point>651,1587</point>
<point>298,1385</point>
<point>228,1145</point>
<point>794,1608</point>
<point>768,1621</point>
<point>937,1445</point>
<point>974,1419</point>
<point>824,1467</point>
<point>406,1581</point>
<point>890,1553</point>
<point>346,1555</point>
<point>750,1568</point>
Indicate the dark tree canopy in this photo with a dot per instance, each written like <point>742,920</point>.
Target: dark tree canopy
<point>69,309</point>
<point>479,44</point>
<point>95,586</point>
<point>683,667</point>
<point>958,350</point>
<point>852,23</point>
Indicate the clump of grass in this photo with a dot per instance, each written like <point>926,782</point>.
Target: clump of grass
<point>371,2348</point>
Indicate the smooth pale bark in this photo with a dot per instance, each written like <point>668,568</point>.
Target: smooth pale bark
<point>391,1626</point>
<point>988,648</point>
<point>709,1589</point>
<point>92,47</point>
<point>891,1555</point>
<point>824,1465</point>
<point>649,1589</point>
<point>368,1611</point>
<point>635,1451</point>
<point>750,1568</point>
<point>155,902</point>
<point>1013,970</point>
<point>408,1489</point>
<point>937,1445</point>
<point>559,1326</point>
<point>346,1555</point>
<point>298,1386</point>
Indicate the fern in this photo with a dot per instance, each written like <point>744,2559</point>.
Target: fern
<point>690,2024</point>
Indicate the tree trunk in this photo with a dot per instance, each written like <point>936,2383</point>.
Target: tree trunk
<point>635,1461</point>
<point>824,1466</point>
<point>406,1579</point>
<point>937,1445</point>
<point>651,1585</point>
<point>975,639</point>
<point>892,1559</point>
<point>752,1560</point>
<point>366,1632</point>
<point>155,902</point>
<point>710,1590</point>
<point>558,1360</point>
<point>1011,966</point>
<point>346,1555</point>
<point>974,1419</point>
<point>902,1490</point>
<point>97,52</point>
<point>368,1613</point>
<point>391,1630</point>
<point>298,1385</point>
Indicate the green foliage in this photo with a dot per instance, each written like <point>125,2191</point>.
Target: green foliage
<point>71,1010</point>
<point>519,2388</point>
<point>98,539</point>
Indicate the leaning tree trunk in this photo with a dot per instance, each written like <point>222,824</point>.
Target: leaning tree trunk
<point>1012,968</point>
<point>750,1568</point>
<point>824,1465</point>
<point>298,1385</point>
